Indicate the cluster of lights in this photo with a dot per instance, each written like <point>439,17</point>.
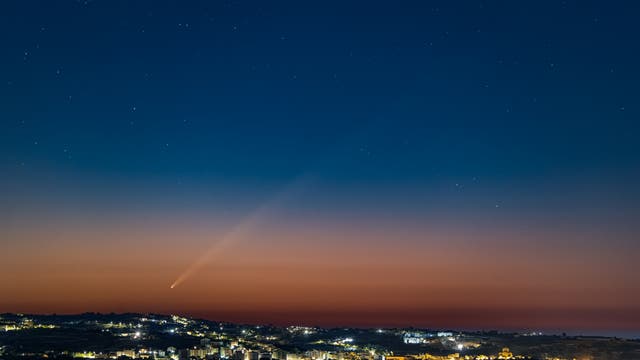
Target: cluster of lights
<point>136,330</point>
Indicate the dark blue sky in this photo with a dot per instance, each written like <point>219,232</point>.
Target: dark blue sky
<point>417,90</point>
<point>523,112</point>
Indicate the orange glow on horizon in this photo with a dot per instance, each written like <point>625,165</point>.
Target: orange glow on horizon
<point>325,275</point>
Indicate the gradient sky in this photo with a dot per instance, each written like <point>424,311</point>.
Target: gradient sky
<point>466,164</point>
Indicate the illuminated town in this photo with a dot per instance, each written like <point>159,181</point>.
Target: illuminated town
<point>164,337</point>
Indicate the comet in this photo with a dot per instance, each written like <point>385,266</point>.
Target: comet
<point>243,229</point>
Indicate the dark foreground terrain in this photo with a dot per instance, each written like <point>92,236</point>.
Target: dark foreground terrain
<point>150,336</point>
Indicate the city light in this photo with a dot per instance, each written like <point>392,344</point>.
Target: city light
<point>236,342</point>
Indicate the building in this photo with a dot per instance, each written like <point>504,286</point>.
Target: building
<point>223,352</point>
<point>238,355</point>
<point>291,356</point>
<point>206,343</point>
<point>505,354</point>
<point>198,353</point>
<point>413,338</point>
<point>317,354</point>
<point>280,355</point>
<point>127,353</point>
<point>254,355</point>
<point>183,354</point>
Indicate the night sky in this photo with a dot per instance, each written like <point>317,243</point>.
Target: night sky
<point>464,164</point>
